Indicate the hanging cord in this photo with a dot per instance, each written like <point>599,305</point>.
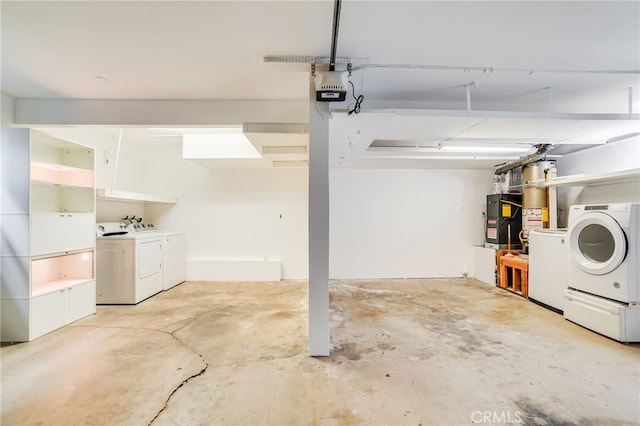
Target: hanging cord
<point>359,99</point>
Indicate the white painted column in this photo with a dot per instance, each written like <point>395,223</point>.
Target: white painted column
<point>318,225</point>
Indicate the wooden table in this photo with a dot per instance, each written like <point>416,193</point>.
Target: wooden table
<point>518,267</point>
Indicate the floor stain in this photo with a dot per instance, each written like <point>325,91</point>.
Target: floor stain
<point>532,414</point>
<point>349,351</point>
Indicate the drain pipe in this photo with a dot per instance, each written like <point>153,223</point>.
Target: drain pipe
<point>540,154</point>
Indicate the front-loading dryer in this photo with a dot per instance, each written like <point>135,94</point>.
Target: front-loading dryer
<point>603,250</point>
<point>603,271</point>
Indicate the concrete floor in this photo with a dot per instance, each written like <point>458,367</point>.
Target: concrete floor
<point>405,352</point>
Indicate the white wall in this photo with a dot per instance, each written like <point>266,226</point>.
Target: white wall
<point>611,157</point>
<point>227,214</point>
<point>7,106</point>
<point>406,223</point>
<point>232,215</point>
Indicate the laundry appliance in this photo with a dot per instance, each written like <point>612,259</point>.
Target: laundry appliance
<point>603,291</point>
<point>548,265</point>
<point>128,262</point>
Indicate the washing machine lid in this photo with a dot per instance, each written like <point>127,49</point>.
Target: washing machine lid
<point>597,243</point>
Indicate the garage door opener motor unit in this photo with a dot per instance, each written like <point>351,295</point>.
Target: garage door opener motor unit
<point>331,86</point>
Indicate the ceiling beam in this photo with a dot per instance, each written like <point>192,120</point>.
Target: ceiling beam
<point>63,112</point>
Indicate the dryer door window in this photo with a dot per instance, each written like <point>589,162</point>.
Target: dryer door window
<point>597,243</point>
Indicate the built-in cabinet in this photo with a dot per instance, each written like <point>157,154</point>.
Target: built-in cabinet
<point>47,223</point>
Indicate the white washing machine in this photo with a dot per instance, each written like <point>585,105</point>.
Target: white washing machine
<point>604,269</point>
<point>128,263</point>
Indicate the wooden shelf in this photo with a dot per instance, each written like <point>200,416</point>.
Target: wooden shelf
<point>133,197</point>
<point>621,176</point>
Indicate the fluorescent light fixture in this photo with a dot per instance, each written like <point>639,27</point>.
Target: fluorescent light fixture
<point>219,144</point>
<point>403,149</point>
<point>442,157</point>
<point>396,143</point>
<point>623,137</point>
<point>484,149</point>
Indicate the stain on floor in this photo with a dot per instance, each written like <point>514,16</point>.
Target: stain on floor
<point>404,352</point>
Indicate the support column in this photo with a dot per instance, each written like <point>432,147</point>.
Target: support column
<point>318,225</point>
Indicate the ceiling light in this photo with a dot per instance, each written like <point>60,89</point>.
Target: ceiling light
<point>623,137</point>
<point>484,149</point>
<point>442,157</point>
<point>394,143</point>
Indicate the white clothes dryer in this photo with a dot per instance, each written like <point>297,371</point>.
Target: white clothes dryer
<point>603,293</point>
<point>603,250</point>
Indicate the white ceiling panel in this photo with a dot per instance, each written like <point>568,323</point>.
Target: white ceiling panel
<point>551,57</point>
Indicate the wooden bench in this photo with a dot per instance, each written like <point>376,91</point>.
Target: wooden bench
<point>519,273</point>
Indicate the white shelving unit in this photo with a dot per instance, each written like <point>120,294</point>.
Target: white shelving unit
<point>621,176</point>
<point>599,179</point>
<point>48,233</point>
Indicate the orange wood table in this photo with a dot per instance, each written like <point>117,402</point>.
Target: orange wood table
<point>519,274</point>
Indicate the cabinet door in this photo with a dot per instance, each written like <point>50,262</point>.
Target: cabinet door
<point>58,232</point>
<point>175,266</point>
<point>48,233</point>
<point>81,301</point>
<point>81,231</point>
<point>48,312</point>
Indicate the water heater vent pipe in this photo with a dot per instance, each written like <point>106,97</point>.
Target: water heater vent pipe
<point>540,154</point>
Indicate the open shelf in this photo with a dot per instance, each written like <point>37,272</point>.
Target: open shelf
<point>133,197</point>
<point>58,174</point>
<point>48,183</point>
<point>50,216</point>
<point>56,273</point>
<point>58,285</point>
<point>620,176</point>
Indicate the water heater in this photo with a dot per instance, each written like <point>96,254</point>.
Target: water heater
<point>535,198</point>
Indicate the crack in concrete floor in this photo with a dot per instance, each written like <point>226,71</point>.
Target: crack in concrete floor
<point>404,352</point>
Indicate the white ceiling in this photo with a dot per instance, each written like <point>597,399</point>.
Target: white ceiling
<point>530,59</point>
